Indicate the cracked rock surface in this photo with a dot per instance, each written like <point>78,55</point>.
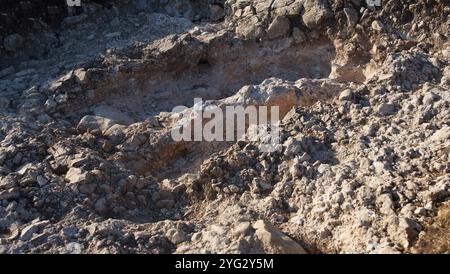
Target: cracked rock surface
<point>88,164</point>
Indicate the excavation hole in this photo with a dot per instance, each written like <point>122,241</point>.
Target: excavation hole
<point>147,93</point>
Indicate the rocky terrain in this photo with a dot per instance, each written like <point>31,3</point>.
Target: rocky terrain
<point>88,165</point>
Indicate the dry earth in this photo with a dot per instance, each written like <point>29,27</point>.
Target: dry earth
<point>88,165</point>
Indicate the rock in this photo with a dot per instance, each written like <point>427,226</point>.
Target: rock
<point>101,206</point>
<point>176,236</point>
<point>28,231</point>
<point>429,98</point>
<point>274,241</point>
<point>410,228</point>
<point>112,114</point>
<point>386,109</point>
<point>14,234</point>
<point>41,180</point>
<point>280,27</point>
<point>116,132</point>
<point>13,42</point>
<point>377,25</point>
<point>346,95</point>
<point>441,135</point>
<point>91,122</point>
<point>241,229</point>
<point>386,204</point>
<point>250,28</point>
<point>61,98</point>
<point>292,147</point>
<point>298,35</point>
<point>379,167</point>
<point>316,12</point>
<point>77,176</point>
<point>73,248</point>
<point>80,76</point>
<point>323,168</point>
<point>113,34</point>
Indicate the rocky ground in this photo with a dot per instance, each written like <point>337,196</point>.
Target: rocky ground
<point>88,165</point>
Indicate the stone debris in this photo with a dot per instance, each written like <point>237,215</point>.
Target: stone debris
<point>88,163</point>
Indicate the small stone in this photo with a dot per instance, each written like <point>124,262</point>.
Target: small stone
<point>61,98</point>
<point>76,175</point>
<point>323,168</point>
<point>95,123</point>
<point>420,211</point>
<point>241,229</point>
<point>196,237</point>
<point>377,25</point>
<point>386,109</point>
<point>176,236</point>
<point>379,167</point>
<point>41,180</point>
<point>429,98</point>
<point>346,95</point>
<point>293,147</point>
<point>73,248</point>
<point>80,76</point>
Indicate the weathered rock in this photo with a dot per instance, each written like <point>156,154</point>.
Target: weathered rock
<point>316,12</point>
<point>91,122</point>
<point>279,27</point>
<point>346,95</point>
<point>275,241</point>
<point>77,176</point>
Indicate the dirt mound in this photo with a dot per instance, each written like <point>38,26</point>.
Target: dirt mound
<point>88,163</point>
